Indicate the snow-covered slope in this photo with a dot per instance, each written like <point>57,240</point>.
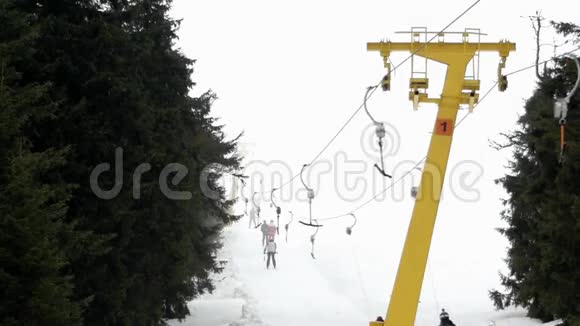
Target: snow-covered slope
<point>337,288</point>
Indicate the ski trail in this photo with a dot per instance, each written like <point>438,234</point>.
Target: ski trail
<point>305,291</point>
<point>295,293</point>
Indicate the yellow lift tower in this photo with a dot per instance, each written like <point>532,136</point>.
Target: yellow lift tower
<point>458,89</point>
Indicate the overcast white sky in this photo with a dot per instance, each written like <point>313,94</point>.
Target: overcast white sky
<point>289,73</point>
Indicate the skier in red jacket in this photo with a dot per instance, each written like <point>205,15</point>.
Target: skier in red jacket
<point>272,230</point>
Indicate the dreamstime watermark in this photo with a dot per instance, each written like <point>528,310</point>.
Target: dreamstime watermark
<point>391,141</point>
<point>355,180</point>
<point>350,179</point>
<point>178,172</point>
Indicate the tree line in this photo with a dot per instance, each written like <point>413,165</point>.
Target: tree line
<point>542,209</point>
<point>78,80</point>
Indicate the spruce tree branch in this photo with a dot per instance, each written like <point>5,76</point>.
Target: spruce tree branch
<point>2,78</point>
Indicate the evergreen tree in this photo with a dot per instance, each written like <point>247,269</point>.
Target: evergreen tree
<point>34,289</point>
<point>542,208</point>
<point>113,79</point>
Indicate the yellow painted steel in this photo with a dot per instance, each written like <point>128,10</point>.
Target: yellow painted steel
<point>407,289</point>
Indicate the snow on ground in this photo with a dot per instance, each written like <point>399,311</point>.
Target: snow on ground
<point>229,304</point>
<point>336,288</point>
